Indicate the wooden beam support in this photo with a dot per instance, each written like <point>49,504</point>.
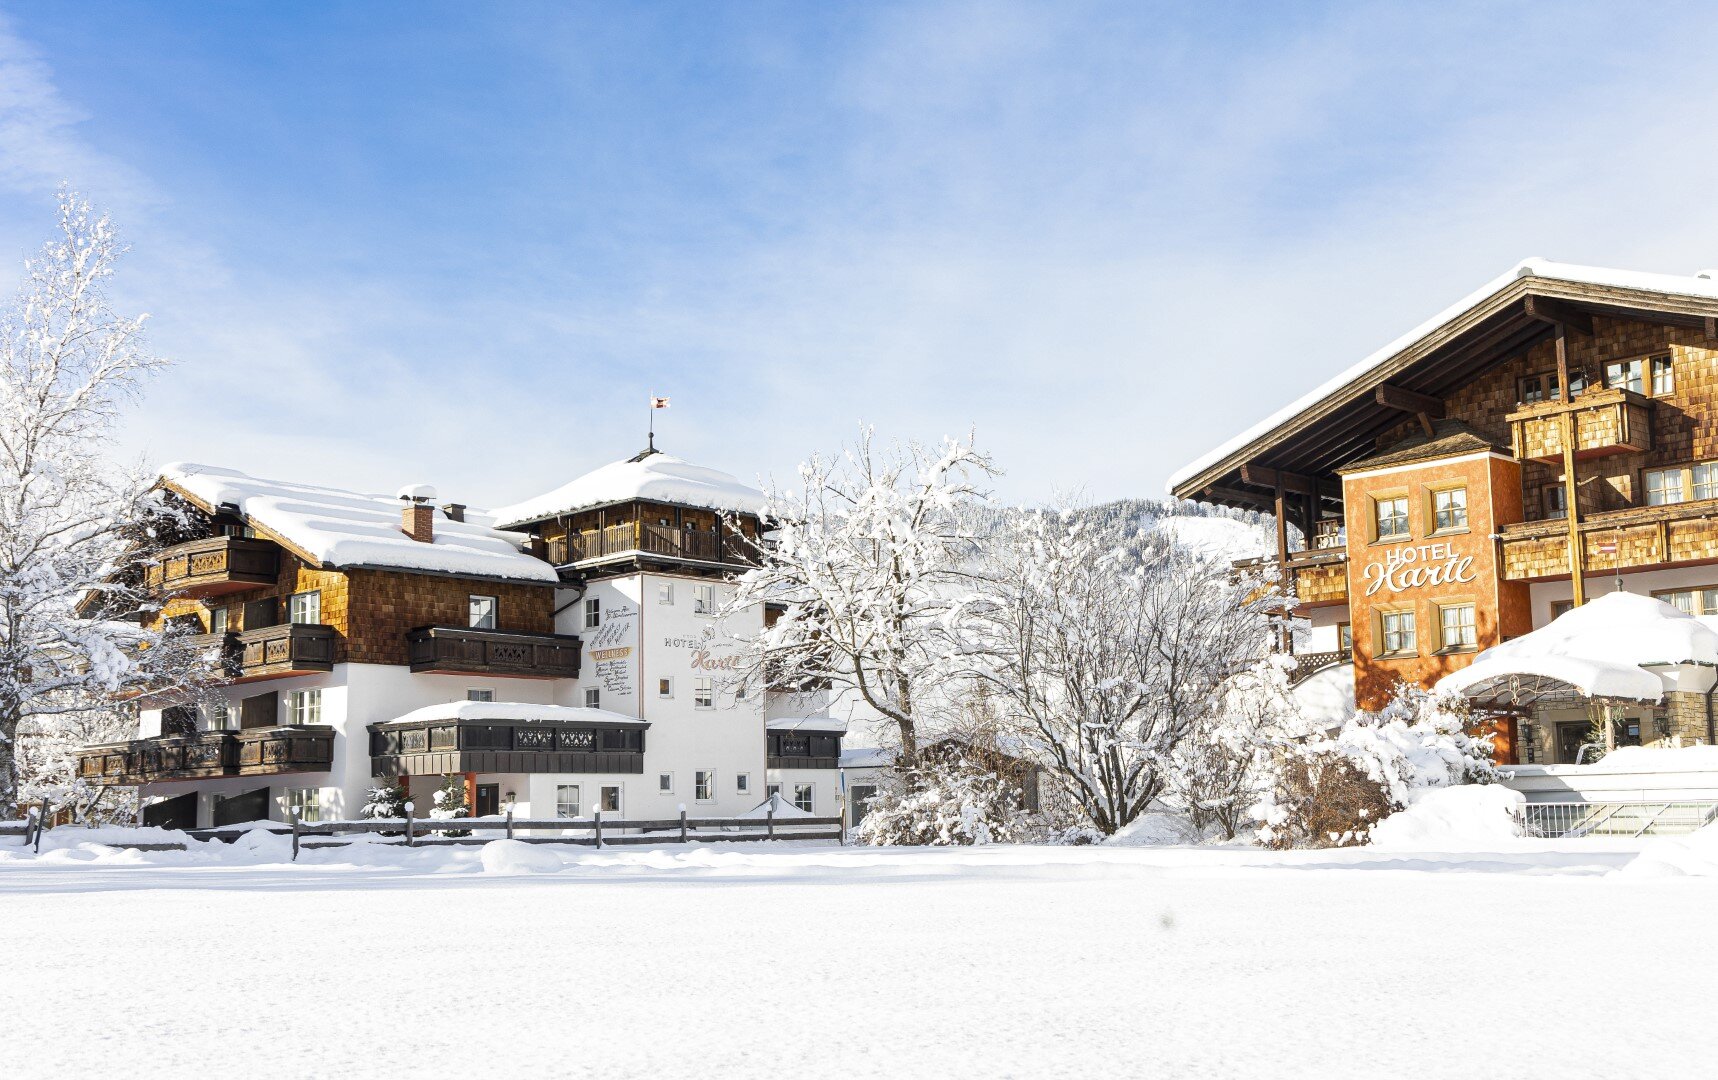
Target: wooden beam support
<point>1711,325</point>
<point>1395,397</point>
<point>1557,311</point>
<point>1270,478</point>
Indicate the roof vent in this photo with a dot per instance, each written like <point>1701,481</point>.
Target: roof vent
<point>1708,274</point>
<point>418,493</point>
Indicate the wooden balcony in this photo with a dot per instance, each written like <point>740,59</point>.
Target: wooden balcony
<point>1635,538</point>
<point>1319,578</point>
<point>454,650</point>
<point>274,652</point>
<point>639,540</point>
<point>422,747</point>
<point>206,754</point>
<point>1607,421</point>
<point>216,565</point>
<point>810,750</point>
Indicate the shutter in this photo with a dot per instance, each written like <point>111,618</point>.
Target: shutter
<point>265,612</point>
<point>263,710</point>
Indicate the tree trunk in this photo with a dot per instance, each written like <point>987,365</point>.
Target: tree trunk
<point>8,763</point>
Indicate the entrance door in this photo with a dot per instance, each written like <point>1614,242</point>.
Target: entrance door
<point>1570,738</point>
<point>488,799</point>
<point>857,806</point>
<point>250,806</point>
<point>175,813</point>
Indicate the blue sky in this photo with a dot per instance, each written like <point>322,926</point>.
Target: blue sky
<point>460,243</point>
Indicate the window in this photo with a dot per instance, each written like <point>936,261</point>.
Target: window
<point>481,611</point>
<point>304,607</point>
<point>220,716</point>
<point>304,707</point>
<point>1663,376</point>
<point>476,694</point>
<point>703,600</point>
<point>665,783</point>
<point>802,797</point>
<point>611,798</point>
<point>305,804</point>
<point>665,593</point>
<point>1704,480</point>
<point>772,789</point>
<point>567,800</point>
<point>1449,509</point>
<point>1663,487</point>
<point>1397,631</point>
<point>1702,601</point>
<point>1345,637</point>
<point>1457,630</point>
<point>743,783</point>
<point>1626,375</point>
<point>665,688</point>
<point>1392,517</point>
<point>1537,388</point>
<point>593,613</point>
<point>1556,501</point>
<point>218,620</point>
<point>704,785</point>
<point>704,693</point>
<point>593,698</point>
<point>1561,607</point>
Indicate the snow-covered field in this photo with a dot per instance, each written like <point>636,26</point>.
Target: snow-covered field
<point>813,961</point>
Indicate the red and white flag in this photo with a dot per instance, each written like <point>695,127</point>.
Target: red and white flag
<point>659,403</point>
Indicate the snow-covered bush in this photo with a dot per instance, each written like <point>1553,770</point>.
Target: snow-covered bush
<point>450,802</point>
<point>1221,770</point>
<point>1329,792</point>
<point>943,806</point>
<point>388,801</point>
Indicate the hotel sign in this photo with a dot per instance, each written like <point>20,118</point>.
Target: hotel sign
<point>1415,566</point>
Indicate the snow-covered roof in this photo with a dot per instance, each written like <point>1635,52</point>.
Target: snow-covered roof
<point>655,477</point>
<point>517,710</point>
<point>340,528</point>
<point>1602,649</point>
<point>866,757</point>
<point>821,724</point>
<point>1703,285</point>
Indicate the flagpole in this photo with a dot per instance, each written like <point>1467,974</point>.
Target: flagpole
<point>650,437</point>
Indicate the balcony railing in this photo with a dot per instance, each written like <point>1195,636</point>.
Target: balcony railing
<point>459,649</point>
<point>271,652</point>
<point>205,754</point>
<point>1306,665</point>
<point>216,565</point>
<point>1640,536</point>
<point>636,538</point>
<point>1318,578</point>
<point>421,747</point>
<point>1607,421</point>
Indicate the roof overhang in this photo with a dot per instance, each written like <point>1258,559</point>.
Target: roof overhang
<point>1343,420</point>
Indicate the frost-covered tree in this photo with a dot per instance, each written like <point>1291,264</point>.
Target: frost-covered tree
<point>1220,771</point>
<point>450,802</point>
<point>944,802</point>
<point>1107,655</point>
<point>871,556</point>
<point>73,526</point>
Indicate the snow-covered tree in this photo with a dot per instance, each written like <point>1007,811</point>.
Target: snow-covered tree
<point>389,801</point>
<point>450,802</point>
<point>73,526</point>
<point>944,802</point>
<point>1107,655</point>
<point>871,555</point>
<point>1220,771</point>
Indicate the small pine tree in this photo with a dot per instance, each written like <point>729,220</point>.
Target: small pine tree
<point>387,801</point>
<point>450,802</point>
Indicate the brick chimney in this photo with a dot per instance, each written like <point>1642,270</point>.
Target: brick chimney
<point>417,520</point>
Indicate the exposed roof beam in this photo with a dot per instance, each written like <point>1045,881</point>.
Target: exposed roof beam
<point>1548,310</point>
<point>1424,406</point>
<point>1711,328</point>
<point>1266,477</point>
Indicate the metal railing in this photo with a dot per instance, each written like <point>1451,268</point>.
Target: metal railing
<point>1568,820</point>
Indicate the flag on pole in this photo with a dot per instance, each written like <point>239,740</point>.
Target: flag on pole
<point>659,403</point>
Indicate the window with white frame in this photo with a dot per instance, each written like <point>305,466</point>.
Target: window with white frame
<point>567,800</point>
<point>304,707</point>
<point>703,599</point>
<point>665,592</point>
<point>665,783</point>
<point>593,613</point>
<point>305,804</point>
<point>772,789</point>
<point>1396,633</point>
<point>218,620</point>
<point>1703,480</point>
<point>665,687</point>
<point>803,797</point>
<point>480,611</point>
<point>1664,487</point>
<point>304,608</point>
<point>476,693</point>
<point>220,716</point>
<point>704,693</point>
<point>611,798</point>
<point>593,698</point>
<point>704,785</point>
<point>1663,376</point>
<point>1626,375</point>
<point>1449,509</point>
<point>1391,517</point>
<point>743,783</point>
<point>1457,629</point>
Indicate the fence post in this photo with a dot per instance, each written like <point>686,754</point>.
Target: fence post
<point>32,814</point>
<point>294,837</point>
<point>509,823</point>
<point>596,815</point>
<point>41,823</point>
<point>682,823</point>
<point>769,820</point>
<point>408,824</point>
<point>841,817</point>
